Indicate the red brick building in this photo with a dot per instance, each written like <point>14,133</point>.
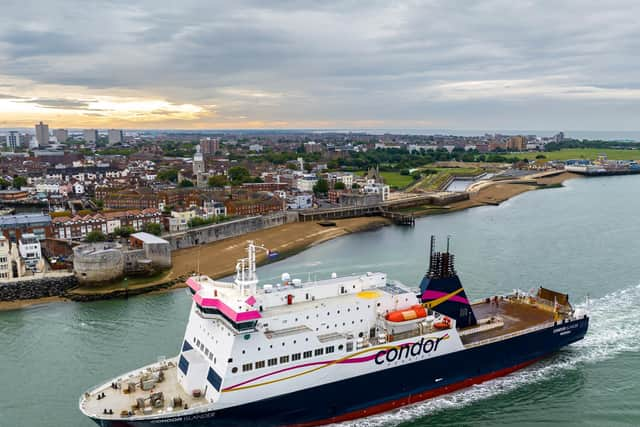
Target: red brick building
<point>256,205</point>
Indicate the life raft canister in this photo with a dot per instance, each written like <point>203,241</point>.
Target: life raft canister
<point>415,312</point>
<point>445,323</point>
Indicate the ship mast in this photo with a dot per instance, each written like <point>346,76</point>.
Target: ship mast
<point>246,276</point>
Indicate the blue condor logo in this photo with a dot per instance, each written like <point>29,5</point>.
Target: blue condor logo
<point>403,351</point>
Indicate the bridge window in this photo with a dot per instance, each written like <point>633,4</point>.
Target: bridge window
<point>307,354</point>
<point>329,349</point>
<point>247,367</point>
<point>273,362</point>
<point>284,359</point>
<point>319,352</point>
<point>260,364</point>
<point>295,356</point>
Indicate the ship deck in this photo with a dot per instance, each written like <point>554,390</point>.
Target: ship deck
<point>516,315</point>
<point>120,402</point>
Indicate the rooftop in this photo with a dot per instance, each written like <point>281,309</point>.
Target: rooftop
<point>23,219</point>
<point>148,238</point>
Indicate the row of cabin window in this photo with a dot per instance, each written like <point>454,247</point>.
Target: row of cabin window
<point>285,359</point>
<point>204,349</point>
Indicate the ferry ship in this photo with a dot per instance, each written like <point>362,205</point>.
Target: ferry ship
<point>311,353</point>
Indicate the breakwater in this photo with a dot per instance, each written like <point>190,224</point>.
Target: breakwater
<point>43,287</point>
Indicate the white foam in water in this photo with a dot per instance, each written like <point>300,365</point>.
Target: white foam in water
<point>614,327</point>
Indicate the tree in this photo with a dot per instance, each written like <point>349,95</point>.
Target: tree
<point>321,187</point>
<point>4,183</point>
<point>339,185</point>
<point>217,181</point>
<point>185,183</point>
<point>19,181</point>
<point>168,175</point>
<point>95,236</point>
<point>238,175</point>
<point>125,231</point>
<point>541,156</point>
<point>152,228</point>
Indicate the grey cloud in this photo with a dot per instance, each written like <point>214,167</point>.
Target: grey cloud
<point>62,103</point>
<point>339,61</point>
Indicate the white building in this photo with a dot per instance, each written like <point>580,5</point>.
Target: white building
<point>372,187</point>
<point>5,258</point>
<point>48,187</point>
<point>306,183</point>
<point>116,136</point>
<point>13,140</point>
<point>214,208</point>
<point>300,201</point>
<point>255,147</point>
<point>345,178</point>
<point>29,250</point>
<point>199,168</point>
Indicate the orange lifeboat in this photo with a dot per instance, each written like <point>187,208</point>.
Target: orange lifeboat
<point>415,312</point>
<point>445,323</point>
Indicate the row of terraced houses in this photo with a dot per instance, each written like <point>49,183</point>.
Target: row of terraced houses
<point>77,227</point>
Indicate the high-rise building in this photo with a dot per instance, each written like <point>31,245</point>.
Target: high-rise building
<point>61,134</point>
<point>517,143</point>
<point>90,135</point>
<point>116,136</point>
<point>209,146</point>
<point>42,134</point>
<point>13,140</point>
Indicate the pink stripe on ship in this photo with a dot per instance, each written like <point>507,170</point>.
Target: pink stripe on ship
<point>431,295</point>
<point>225,309</point>
<point>193,284</point>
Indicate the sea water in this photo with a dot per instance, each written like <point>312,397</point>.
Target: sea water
<point>583,239</point>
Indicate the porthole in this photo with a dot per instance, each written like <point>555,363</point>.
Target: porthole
<point>234,370</point>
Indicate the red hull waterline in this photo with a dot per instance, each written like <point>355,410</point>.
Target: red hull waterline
<point>415,398</point>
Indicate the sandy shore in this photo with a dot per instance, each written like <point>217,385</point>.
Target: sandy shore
<point>496,192</point>
<point>218,259</point>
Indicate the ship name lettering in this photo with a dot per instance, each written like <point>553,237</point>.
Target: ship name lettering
<point>406,350</point>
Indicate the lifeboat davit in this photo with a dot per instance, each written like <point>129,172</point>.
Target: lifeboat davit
<point>445,323</point>
<point>415,312</point>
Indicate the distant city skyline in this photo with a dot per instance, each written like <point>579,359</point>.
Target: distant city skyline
<point>320,65</point>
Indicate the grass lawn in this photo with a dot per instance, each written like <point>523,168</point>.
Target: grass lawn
<point>583,153</point>
<point>435,181</point>
<point>392,179</point>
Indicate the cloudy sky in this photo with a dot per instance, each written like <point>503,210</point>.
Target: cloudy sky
<point>319,64</point>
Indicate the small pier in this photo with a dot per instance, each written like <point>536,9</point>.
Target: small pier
<point>399,218</point>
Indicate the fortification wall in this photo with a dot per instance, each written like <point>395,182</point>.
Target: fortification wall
<point>99,262</point>
<point>215,232</point>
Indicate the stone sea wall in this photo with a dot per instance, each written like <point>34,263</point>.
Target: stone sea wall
<point>213,233</point>
<point>37,288</point>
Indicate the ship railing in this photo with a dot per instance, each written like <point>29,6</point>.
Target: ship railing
<point>510,335</point>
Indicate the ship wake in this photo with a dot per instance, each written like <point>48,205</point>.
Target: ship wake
<point>614,328</point>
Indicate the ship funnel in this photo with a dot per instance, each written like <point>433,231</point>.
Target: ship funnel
<point>442,290</point>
